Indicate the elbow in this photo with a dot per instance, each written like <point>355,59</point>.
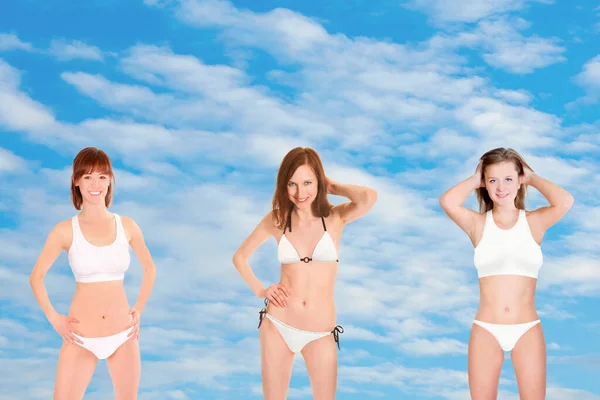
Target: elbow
<point>371,197</point>
<point>444,202</point>
<point>569,201</point>
<point>236,260</point>
<point>35,279</point>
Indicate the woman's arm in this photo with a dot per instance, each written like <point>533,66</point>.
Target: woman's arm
<point>361,199</point>
<point>263,231</point>
<point>453,199</point>
<point>56,242</point>
<point>52,248</point>
<point>138,245</point>
<point>560,201</point>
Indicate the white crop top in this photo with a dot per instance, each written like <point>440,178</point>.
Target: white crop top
<point>507,251</point>
<point>324,250</point>
<point>98,263</point>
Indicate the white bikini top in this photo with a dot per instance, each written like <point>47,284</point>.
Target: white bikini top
<point>324,250</point>
<point>508,251</point>
<point>98,263</point>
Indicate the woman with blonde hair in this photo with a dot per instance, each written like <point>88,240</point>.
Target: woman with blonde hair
<point>300,312</point>
<point>100,324</point>
<point>508,255</point>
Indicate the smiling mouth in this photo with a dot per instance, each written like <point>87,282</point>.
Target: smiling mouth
<point>301,200</point>
<point>501,196</point>
<point>95,194</point>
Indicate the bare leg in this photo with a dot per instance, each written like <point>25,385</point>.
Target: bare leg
<point>277,361</point>
<point>485,364</point>
<point>74,372</point>
<point>125,366</point>
<point>529,361</point>
<point>322,365</point>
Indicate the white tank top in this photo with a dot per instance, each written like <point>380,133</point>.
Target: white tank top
<point>98,263</point>
<point>507,251</point>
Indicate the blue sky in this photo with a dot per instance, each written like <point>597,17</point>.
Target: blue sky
<point>197,102</point>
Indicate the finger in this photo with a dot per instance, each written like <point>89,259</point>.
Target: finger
<point>282,298</point>
<point>275,301</point>
<point>77,333</point>
<point>283,293</point>
<point>287,292</point>
<point>74,339</point>
<point>74,320</point>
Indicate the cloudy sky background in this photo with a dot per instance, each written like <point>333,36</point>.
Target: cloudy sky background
<point>197,102</point>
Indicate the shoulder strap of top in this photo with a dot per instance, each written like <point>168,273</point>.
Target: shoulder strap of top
<point>120,229</point>
<point>324,227</point>
<point>489,221</point>
<point>76,229</point>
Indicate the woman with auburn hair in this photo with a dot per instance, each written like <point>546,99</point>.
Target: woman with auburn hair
<point>100,323</point>
<point>508,255</point>
<point>300,312</point>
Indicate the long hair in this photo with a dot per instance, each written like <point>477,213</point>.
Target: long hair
<point>87,161</point>
<point>282,206</point>
<point>495,156</point>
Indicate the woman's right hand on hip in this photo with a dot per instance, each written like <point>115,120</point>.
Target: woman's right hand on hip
<point>62,325</point>
<point>277,294</point>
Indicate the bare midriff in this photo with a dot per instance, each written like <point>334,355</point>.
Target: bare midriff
<point>101,308</point>
<point>507,299</point>
<point>311,305</point>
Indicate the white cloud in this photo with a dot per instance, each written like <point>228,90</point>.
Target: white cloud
<point>503,45</point>
<point>589,78</point>
<point>468,11</point>
<point>10,41</point>
<point>520,96</point>
<point>9,162</point>
<point>499,123</point>
<point>436,347</point>
<point>66,50</point>
<point>17,110</point>
<point>555,393</point>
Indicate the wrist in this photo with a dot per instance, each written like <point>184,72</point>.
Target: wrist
<point>333,187</point>
<point>51,315</point>
<point>475,181</point>
<point>531,179</point>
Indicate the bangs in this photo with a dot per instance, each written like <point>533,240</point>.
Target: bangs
<point>92,160</point>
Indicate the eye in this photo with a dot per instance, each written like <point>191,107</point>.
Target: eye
<point>291,184</point>
<point>492,180</point>
<point>509,179</point>
<point>307,183</point>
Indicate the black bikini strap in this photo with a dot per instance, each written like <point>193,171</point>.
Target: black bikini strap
<point>323,221</point>
<point>336,334</point>
<point>262,313</point>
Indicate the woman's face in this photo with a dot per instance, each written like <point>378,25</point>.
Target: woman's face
<point>303,187</point>
<point>502,182</point>
<point>93,187</point>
